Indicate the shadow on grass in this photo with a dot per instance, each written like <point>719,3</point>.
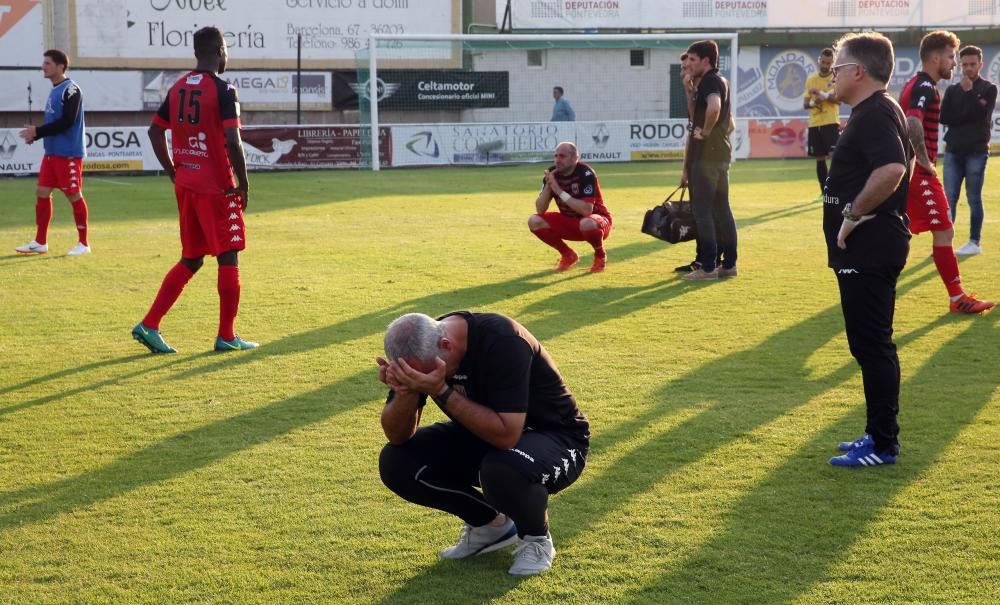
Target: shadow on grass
<point>810,531</point>
<point>721,409</point>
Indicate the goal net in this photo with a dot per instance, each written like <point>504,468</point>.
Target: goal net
<point>498,99</point>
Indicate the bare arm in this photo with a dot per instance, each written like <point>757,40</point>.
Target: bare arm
<point>543,200</point>
<point>499,429</point>
<point>401,414</point>
<point>237,159</point>
<point>917,140</point>
<point>712,110</point>
<point>158,139</point>
<point>879,186</point>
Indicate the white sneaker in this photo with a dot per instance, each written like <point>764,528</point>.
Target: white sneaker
<point>480,540</point>
<point>534,556</point>
<point>969,249</point>
<point>79,250</point>
<point>32,247</point>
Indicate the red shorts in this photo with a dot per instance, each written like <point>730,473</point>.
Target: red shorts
<point>568,227</point>
<point>211,223</point>
<point>65,174</point>
<point>926,203</point>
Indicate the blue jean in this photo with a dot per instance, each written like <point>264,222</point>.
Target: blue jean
<point>710,205</point>
<point>971,167</point>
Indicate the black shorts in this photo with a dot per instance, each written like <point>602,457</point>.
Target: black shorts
<point>552,459</point>
<point>822,139</point>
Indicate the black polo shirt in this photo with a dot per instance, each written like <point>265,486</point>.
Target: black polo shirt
<point>717,146</point>
<point>875,135</point>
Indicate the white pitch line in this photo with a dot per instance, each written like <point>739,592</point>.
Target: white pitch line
<point>110,181</point>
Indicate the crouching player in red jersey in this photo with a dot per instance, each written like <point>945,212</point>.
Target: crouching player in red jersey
<point>202,113</point>
<point>582,214</point>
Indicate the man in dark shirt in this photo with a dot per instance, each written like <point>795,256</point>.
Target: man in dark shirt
<point>514,430</point>
<point>967,111</point>
<point>865,226</point>
<point>582,214</point>
<point>708,155</point>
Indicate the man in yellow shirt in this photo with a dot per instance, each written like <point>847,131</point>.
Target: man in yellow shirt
<point>824,114</point>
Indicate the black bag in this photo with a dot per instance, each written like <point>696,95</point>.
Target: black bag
<point>672,222</point>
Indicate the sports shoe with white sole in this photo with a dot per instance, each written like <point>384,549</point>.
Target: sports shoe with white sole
<point>533,556</point>
<point>79,250</point>
<point>863,456</point>
<point>969,249</point>
<point>479,540</point>
<point>32,247</point>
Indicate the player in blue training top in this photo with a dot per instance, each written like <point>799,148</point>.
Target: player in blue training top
<point>62,166</point>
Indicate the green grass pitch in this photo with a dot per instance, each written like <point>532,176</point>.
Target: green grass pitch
<point>252,477</point>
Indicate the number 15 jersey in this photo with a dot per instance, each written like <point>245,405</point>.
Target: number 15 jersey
<point>197,111</point>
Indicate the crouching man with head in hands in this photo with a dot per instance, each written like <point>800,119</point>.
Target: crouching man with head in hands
<point>514,430</point>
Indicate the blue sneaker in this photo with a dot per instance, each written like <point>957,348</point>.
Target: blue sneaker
<point>846,446</point>
<point>863,456</point>
<point>236,344</point>
<point>151,339</point>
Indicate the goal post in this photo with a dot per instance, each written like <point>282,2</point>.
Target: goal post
<point>617,84</point>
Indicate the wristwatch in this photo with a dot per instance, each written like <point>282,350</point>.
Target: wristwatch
<point>442,399</point>
<point>849,215</point>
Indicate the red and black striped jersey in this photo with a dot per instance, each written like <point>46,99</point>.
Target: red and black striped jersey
<point>581,184</point>
<point>920,98</point>
<point>197,111</point>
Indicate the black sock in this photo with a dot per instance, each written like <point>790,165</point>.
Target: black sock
<point>821,174</point>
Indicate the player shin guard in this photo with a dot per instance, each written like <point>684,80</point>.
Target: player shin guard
<point>229,300</point>
<point>170,291</point>
<point>80,216</point>
<point>549,236</point>
<point>595,237</point>
<point>821,172</point>
<point>43,216</point>
<point>947,266</point>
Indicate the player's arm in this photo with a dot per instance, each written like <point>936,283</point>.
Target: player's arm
<point>158,138</point>
<point>72,103</point>
<point>544,197</point>
<point>916,128</point>
<point>402,411</point>
<point>237,159</point>
<point>712,110</point>
<point>579,206</point>
<point>809,96</point>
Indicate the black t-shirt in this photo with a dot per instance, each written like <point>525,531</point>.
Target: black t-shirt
<point>717,146</point>
<point>875,136</point>
<point>507,370</point>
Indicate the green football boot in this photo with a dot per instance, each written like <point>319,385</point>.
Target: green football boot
<point>151,339</point>
<point>236,344</point>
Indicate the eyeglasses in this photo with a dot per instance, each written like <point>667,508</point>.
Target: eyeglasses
<point>834,68</point>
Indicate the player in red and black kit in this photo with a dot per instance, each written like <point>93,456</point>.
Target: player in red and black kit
<point>202,113</point>
<point>927,205</point>
<point>582,214</point>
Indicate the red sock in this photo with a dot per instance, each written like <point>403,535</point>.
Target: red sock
<point>549,236</point>
<point>595,237</point>
<point>229,300</point>
<point>43,216</point>
<point>173,284</point>
<point>947,266</point>
<point>80,216</point>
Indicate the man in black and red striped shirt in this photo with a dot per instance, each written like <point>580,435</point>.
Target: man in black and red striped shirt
<point>582,215</point>
<point>927,205</point>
